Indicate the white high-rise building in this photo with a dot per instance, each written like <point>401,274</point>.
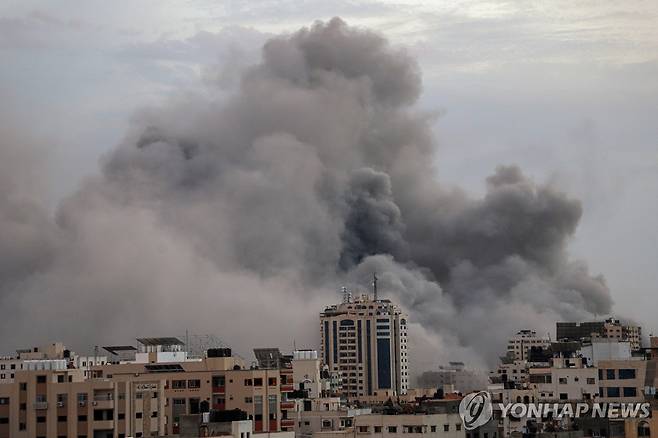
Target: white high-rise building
<point>365,340</point>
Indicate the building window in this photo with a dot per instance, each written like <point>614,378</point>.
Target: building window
<point>643,429</point>
<point>4,420</point>
<point>41,379</point>
<point>248,400</point>
<point>458,426</point>
<point>562,380</point>
<point>610,374</point>
<point>272,405</point>
<point>591,381</point>
<point>392,429</point>
<point>61,419</point>
<point>248,382</point>
<point>178,384</point>
<point>41,419</point>
<point>378,429</point>
<point>613,392</point>
<point>4,400</point>
<point>194,384</point>
<point>258,381</point>
<point>446,428</point>
<point>138,415</point>
<point>627,373</point>
<point>271,381</point>
<point>630,392</point>
<point>363,429</point>
<point>564,396</point>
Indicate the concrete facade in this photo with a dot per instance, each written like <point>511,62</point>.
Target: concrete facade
<point>365,340</point>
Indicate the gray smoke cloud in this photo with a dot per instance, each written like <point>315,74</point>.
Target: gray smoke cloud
<point>244,217</point>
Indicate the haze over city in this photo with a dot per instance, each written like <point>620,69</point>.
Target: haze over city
<point>227,168</point>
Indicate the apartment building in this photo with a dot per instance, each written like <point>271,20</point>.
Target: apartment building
<point>622,381</point>
<point>141,399</point>
<point>325,415</point>
<point>444,425</point>
<point>45,357</point>
<point>8,367</point>
<point>217,383</point>
<point>454,375</point>
<point>504,426</point>
<point>307,373</point>
<point>518,346</point>
<point>365,340</point>
<point>61,403</point>
<point>568,379</point>
<point>215,424</point>
<point>515,371</point>
<point>599,349</point>
<point>611,328</point>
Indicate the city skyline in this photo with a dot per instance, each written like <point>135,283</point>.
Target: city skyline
<point>209,168</point>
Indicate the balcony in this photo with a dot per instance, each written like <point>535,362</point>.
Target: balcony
<point>218,389</point>
<point>287,405</point>
<point>287,387</point>
<point>41,405</point>
<point>287,423</point>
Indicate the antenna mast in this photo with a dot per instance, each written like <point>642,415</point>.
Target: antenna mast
<point>374,285</point>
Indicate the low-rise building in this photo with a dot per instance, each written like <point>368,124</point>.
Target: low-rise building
<point>456,375</point>
<point>446,425</point>
<point>567,380</point>
<point>622,380</point>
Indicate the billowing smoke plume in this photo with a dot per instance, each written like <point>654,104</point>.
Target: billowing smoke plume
<point>243,218</point>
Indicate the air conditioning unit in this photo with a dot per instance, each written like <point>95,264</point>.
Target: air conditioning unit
<point>82,403</point>
<point>60,404</point>
<point>94,403</point>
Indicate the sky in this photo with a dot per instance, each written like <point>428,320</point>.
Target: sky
<point>567,90</point>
